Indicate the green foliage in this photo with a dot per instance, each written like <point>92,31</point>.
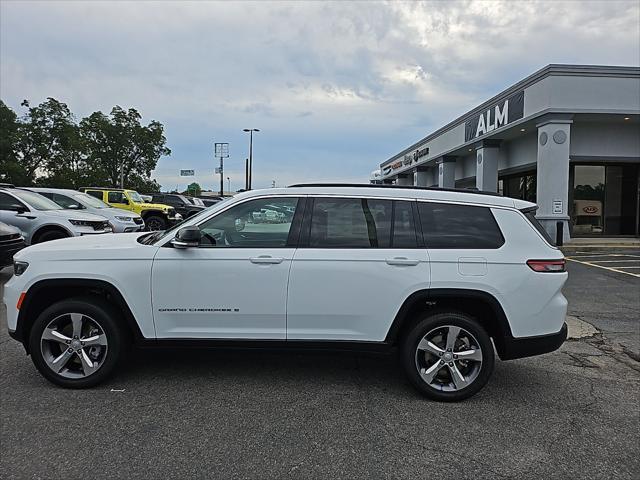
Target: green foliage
<point>193,189</point>
<point>48,147</point>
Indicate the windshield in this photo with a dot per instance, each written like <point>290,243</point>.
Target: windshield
<point>135,196</point>
<point>35,200</point>
<point>90,201</point>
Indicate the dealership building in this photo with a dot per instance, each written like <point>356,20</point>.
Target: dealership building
<point>566,137</point>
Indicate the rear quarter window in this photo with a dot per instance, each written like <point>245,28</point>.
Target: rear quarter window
<point>455,226</point>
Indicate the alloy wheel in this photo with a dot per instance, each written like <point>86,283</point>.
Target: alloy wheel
<point>74,345</point>
<point>448,358</point>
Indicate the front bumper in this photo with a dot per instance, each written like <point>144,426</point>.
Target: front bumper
<point>521,347</point>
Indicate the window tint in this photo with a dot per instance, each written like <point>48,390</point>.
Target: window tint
<point>116,197</point>
<point>261,223</point>
<point>94,193</point>
<point>7,202</point>
<point>65,201</point>
<point>458,226</point>
<point>350,223</point>
<point>404,231</point>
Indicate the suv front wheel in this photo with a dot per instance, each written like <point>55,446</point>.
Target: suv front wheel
<point>77,343</point>
<point>155,222</point>
<point>448,356</point>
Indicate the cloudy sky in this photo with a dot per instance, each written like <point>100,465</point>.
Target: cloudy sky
<point>335,87</point>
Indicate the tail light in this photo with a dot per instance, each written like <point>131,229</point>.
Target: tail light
<point>547,266</point>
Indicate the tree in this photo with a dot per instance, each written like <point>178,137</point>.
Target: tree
<point>10,170</point>
<point>42,138</point>
<point>118,145</point>
<point>194,189</point>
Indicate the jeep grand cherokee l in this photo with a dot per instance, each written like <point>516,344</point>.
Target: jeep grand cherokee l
<point>441,275</point>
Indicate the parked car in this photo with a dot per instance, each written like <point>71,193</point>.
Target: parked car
<point>181,204</point>
<point>210,201</point>
<point>156,216</point>
<point>121,221</point>
<point>442,275</point>
<point>40,220</point>
<point>195,201</point>
<point>11,241</point>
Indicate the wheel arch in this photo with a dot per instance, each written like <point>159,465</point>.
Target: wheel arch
<point>49,291</point>
<point>481,305</point>
<point>47,227</point>
<point>147,213</point>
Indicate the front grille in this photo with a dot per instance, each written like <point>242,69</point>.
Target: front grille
<point>7,243</point>
<point>99,225</point>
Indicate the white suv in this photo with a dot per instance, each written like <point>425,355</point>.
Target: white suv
<point>438,273</point>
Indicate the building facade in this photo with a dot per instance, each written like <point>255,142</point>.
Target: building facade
<point>566,137</point>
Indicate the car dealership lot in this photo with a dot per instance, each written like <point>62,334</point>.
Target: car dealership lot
<point>238,414</point>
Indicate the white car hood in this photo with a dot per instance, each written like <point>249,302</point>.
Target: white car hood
<point>73,214</point>
<point>118,246</point>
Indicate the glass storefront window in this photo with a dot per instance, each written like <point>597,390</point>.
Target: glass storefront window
<point>605,200</point>
<point>522,186</point>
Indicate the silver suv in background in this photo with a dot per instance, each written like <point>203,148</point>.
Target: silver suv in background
<point>121,221</point>
<point>40,219</point>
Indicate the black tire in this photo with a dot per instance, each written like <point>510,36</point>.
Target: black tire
<point>155,222</point>
<point>109,320</point>
<point>410,357</point>
<point>50,235</point>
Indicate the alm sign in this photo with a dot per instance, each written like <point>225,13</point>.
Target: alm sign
<point>496,116</point>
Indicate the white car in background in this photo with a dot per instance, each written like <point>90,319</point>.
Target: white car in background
<point>40,219</point>
<point>121,221</point>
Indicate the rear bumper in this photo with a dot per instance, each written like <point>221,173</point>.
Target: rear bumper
<point>521,347</point>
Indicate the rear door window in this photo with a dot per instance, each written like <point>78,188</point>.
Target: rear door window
<point>446,225</point>
<point>350,223</point>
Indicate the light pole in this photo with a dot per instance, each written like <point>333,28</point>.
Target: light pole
<point>229,184</point>
<point>250,130</point>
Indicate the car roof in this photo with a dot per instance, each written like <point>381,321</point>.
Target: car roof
<point>67,191</point>
<point>396,192</point>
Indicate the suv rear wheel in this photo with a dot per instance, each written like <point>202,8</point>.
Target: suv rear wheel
<point>77,343</point>
<point>448,356</point>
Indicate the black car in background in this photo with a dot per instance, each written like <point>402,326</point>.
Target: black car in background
<point>11,240</point>
<point>182,205</point>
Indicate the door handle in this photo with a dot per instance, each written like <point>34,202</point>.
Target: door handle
<point>262,259</point>
<point>402,261</point>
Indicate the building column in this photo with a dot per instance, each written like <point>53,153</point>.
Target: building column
<point>487,166</point>
<point>423,177</point>
<point>447,172</point>
<point>552,195</point>
<point>405,180</point>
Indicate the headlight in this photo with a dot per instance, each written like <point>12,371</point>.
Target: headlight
<point>81,223</point>
<point>19,267</point>
<point>178,216</point>
<point>124,219</point>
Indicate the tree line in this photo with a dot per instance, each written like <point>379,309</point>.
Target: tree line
<point>46,146</point>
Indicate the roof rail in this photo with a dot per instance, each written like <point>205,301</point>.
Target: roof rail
<point>102,188</point>
<point>408,187</point>
<point>7,185</point>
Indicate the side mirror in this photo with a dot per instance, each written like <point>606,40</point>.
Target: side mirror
<point>19,209</point>
<point>187,237</point>
<point>125,200</point>
<point>240,224</point>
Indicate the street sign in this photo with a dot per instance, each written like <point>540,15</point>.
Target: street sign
<point>187,173</point>
<point>222,150</point>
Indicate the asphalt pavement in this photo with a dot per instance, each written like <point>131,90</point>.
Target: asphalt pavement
<point>573,413</point>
